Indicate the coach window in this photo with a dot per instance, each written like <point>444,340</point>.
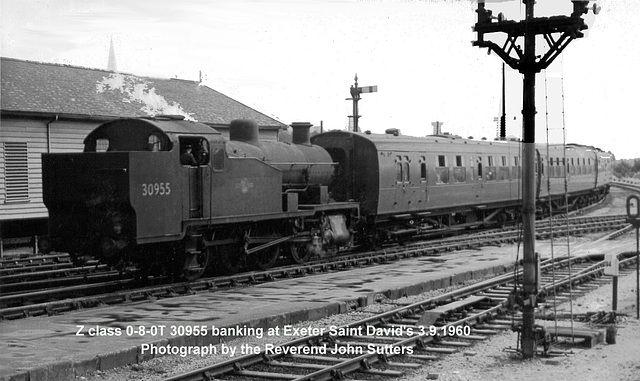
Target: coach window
<point>471,169</point>
<point>503,170</point>
<point>406,176</point>
<point>442,171</point>
<point>480,167</point>
<point>459,172</point>
<point>572,168</point>
<point>423,169</point>
<point>490,173</point>
<point>578,168</point>
<point>515,171</point>
<point>399,169</point>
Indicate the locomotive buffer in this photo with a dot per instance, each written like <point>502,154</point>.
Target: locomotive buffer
<point>527,63</point>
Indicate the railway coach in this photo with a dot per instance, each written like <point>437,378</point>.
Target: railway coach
<point>408,186</point>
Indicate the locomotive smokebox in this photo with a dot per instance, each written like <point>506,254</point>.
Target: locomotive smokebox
<point>301,133</point>
<point>244,130</point>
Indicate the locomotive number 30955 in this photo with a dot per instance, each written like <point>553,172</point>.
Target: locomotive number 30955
<point>154,189</point>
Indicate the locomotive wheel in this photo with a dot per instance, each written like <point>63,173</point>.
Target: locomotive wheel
<point>502,220</point>
<point>265,259</point>
<point>195,264</point>
<point>230,258</point>
<point>44,245</point>
<point>299,253</point>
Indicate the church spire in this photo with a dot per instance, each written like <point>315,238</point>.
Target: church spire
<point>111,65</point>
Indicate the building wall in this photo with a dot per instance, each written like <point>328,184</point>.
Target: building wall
<point>16,202</point>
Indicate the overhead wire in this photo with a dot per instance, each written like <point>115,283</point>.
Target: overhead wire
<point>566,203</point>
<point>553,259</point>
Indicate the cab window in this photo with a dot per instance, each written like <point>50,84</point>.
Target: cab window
<point>217,158</point>
<point>194,151</point>
<point>102,145</point>
<point>154,143</point>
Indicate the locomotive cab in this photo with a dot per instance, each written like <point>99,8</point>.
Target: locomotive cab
<point>127,187</point>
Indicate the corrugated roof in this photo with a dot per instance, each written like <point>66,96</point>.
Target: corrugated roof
<point>38,87</point>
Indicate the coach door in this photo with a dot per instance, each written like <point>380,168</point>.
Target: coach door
<point>403,182</point>
<point>424,188</point>
<point>479,171</point>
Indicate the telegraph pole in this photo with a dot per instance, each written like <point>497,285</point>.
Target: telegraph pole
<point>569,28</point>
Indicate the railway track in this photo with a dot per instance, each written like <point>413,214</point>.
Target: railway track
<point>29,263</point>
<point>406,337</point>
<point>626,184</point>
<point>34,295</point>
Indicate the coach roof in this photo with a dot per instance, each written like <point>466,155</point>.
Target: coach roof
<point>415,143</point>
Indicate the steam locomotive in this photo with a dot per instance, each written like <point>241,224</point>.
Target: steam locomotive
<point>175,193</point>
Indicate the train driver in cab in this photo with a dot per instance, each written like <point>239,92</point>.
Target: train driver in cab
<point>202,154</point>
<point>187,157</point>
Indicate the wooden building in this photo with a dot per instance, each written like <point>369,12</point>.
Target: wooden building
<point>51,108</point>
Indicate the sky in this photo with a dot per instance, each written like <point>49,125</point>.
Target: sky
<point>295,60</point>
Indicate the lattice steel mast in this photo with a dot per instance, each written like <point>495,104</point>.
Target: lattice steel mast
<point>527,63</point>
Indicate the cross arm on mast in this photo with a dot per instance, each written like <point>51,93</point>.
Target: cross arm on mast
<point>570,27</point>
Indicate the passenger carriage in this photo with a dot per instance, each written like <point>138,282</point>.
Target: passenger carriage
<point>418,185</point>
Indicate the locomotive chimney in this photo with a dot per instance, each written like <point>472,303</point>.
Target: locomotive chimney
<point>301,133</point>
<point>244,130</point>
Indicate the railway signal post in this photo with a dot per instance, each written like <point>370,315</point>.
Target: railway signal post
<point>355,97</point>
<point>557,31</point>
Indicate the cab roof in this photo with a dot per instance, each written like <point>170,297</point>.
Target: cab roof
<point>132,134</point>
